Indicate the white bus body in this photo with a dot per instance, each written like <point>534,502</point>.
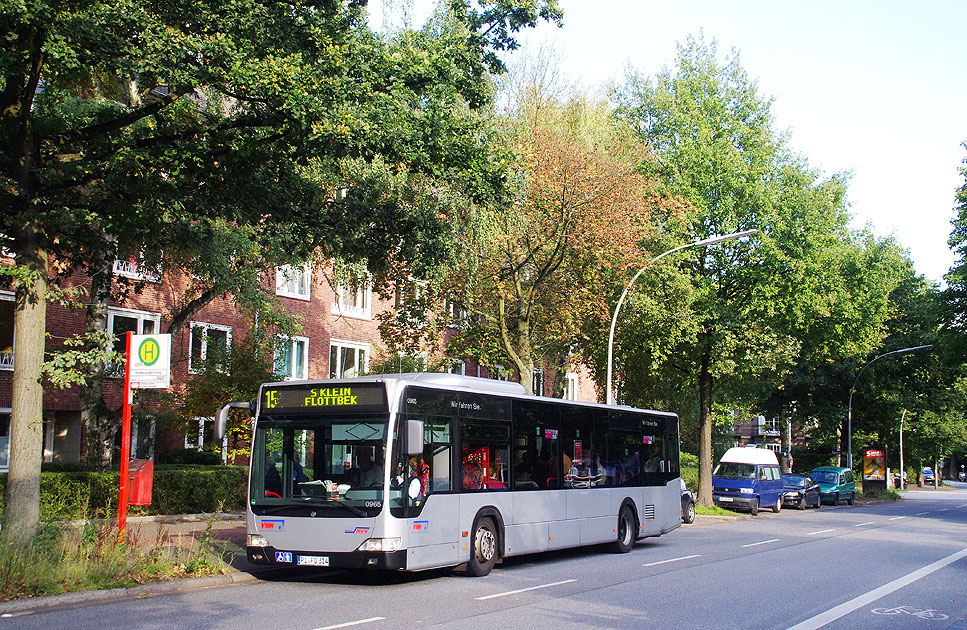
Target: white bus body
<point>472,491</point>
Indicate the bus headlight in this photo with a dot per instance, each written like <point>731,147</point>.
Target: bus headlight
<point>254,540</point>
<point>381,544</point>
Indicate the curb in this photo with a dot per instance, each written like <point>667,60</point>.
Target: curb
<point>77,598</point>
<point>168,518</point>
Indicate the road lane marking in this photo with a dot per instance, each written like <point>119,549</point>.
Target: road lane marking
<point>822,531</point>
<point>964,505</point>
<point>524,590</point>
<point>921,513</point>
<point>653,564</point>
<point>862,524</point>
<point>895,518</point>
<point>352,623</point>
<point>764,542</point>
<point>943,509</point>
<point>820,620</point>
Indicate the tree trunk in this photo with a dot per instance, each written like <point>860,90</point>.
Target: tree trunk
<point>705,423</point>
<point>99,427</point>
<point>21,513</point>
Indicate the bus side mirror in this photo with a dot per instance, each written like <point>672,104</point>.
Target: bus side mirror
<point>221,416</point>
<point>414,437</point>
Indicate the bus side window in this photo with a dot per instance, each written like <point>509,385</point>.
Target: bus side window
<point>486,451</point>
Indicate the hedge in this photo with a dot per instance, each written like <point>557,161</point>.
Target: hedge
<point>176,490</point>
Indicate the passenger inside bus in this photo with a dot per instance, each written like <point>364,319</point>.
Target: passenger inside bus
<point>273,480</point>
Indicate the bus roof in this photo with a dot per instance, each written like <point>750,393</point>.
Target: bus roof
<point>460,382</point>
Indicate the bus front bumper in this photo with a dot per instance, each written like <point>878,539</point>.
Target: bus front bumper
<point>389,561</point>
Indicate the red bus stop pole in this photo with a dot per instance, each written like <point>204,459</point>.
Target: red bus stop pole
<point>125,442</point>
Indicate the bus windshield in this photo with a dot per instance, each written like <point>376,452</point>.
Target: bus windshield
<point>319,466</point>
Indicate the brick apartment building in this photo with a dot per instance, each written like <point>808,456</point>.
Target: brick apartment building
<point>339,340</point>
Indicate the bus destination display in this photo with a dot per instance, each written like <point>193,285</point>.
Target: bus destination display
<point>362,397</point>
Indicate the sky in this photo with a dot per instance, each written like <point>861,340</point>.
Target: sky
<point>874,88</point>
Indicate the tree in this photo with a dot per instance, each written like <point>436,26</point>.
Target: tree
<point>741,308</point>
<point>531,268</point>
<point>144,123</point>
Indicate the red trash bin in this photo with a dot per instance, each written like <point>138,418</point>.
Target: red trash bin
<point>140,479</point>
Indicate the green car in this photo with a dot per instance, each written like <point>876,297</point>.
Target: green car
<point>835,484</point>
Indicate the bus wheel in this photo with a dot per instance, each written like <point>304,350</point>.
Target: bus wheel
<point>484,553</point>
<point>626,530</point>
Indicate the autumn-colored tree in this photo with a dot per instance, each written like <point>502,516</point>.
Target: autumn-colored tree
<point>532,268</point>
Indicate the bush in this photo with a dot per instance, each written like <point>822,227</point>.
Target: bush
<point>176,490</point>
<point>689,460</point>
<point>190,456</point>
<point>690,475</point>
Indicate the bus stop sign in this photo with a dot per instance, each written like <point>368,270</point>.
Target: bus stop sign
<point>150,361</point>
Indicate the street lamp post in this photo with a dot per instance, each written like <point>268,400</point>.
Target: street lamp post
<point>849,408</point>
<point>614,319</point>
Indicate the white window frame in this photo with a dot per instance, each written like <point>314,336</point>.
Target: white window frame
<point>199,444</point>
<point>6,359</point>
<point>206,326</point>
<point>454,313</point>
<point>570,386</point>
<point>458,367</point>
<point>294,283</point>
<point>537,381</point>
<point>293,342</point>
<point>117,370</point>
<point>133,269</point>
<point>356,303</point>
<point>341,345</point>
<point>6,447</point>
<point>497,373</point>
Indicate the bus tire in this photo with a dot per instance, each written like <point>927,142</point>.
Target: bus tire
<point>627,528</point>
<point>483,555</point>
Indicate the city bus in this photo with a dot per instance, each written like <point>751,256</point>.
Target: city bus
<point>408,472</point>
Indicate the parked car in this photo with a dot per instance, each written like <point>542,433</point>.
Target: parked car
<point>927,475</point>
<point>746,478</point>
<point>800,491</point>
<point>688,504</point>
<point>835,484</point>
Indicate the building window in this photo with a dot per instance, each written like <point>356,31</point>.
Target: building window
<point>538,382</point>
<point>457,367</point>
<point>571,387</point>
<point>774,447</point>
<point>455,313</point>
<point>348,359</point>
<point>7,306</point>
<point>4,439</point>
<point>134,268</point>
<point>209,341</point>
<point>498,373</point>
<point>200,433</point>
<point>292,357</point>
<point>293,282</point>
<point>121,321</point>
<point>349,301</point>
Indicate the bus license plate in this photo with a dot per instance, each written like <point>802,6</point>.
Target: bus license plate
<point>725,499</point>
<point>314,561</point>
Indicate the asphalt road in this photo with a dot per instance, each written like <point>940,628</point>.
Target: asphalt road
<point>884,566</point>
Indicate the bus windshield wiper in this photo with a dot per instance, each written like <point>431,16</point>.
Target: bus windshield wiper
<point>352,508</point>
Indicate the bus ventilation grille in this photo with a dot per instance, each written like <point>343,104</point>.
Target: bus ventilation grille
<point>649,512</point>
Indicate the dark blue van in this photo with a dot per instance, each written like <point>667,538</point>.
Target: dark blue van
<point>747,478</point>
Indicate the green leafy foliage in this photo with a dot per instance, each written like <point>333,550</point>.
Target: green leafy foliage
<point>176,490</point>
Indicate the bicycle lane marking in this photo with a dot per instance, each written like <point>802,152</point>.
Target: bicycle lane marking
<point>846,608</point>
